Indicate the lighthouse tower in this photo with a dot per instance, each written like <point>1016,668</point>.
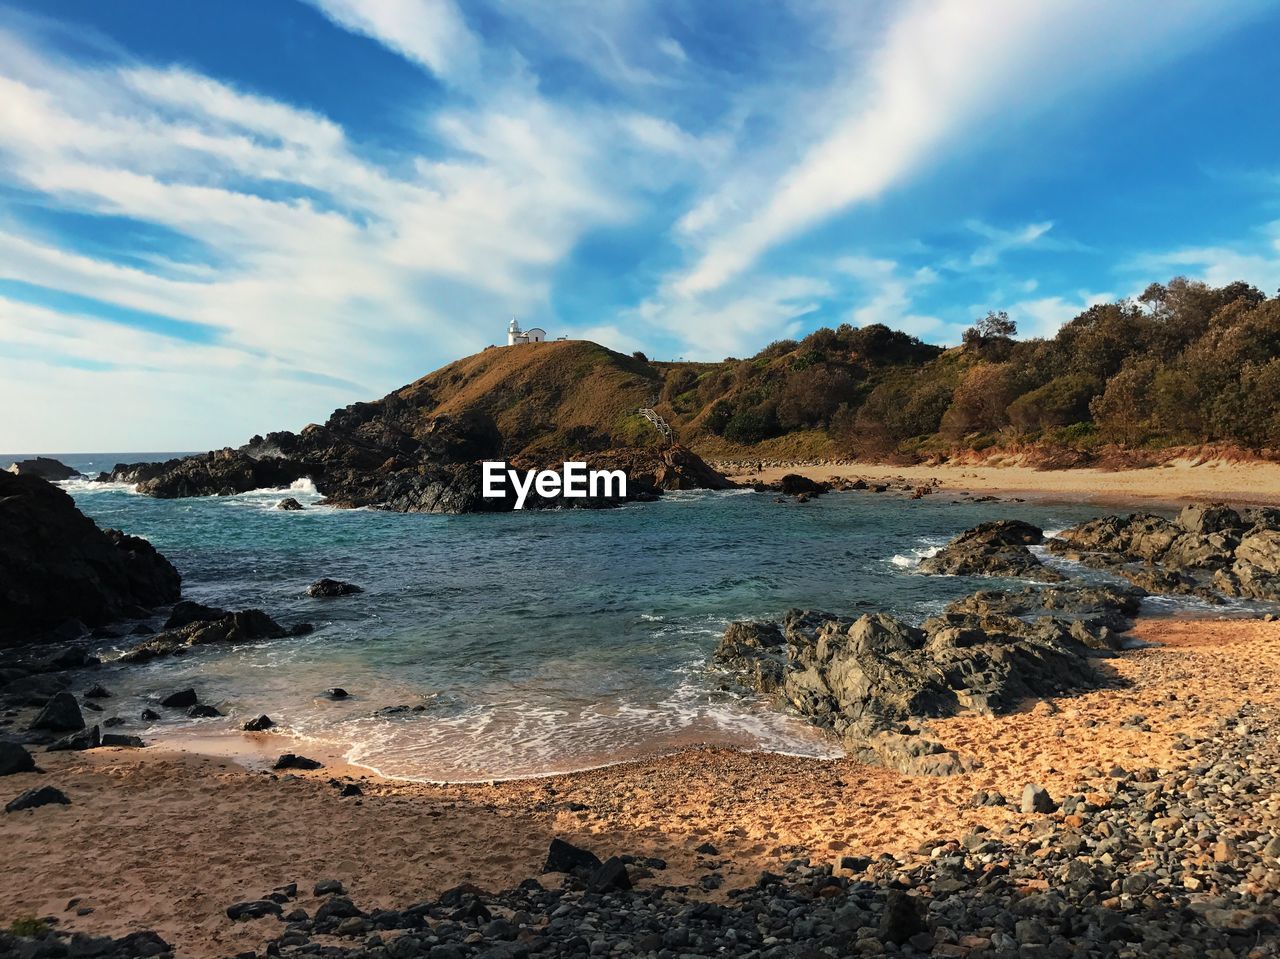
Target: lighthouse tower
<point>515,334</point>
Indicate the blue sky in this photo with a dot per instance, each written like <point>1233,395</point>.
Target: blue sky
<point>218,219</point>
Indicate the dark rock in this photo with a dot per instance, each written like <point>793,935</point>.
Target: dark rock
<point>150,715</point>
<point>203,711</point>
<point>901,918</point>
<point>97,691</point>
<point>182,699</point>
<point>244,626</point>
<point>122,742</point>
<point>15,759</point>
<point>187,612</point>
<point>350,789</point>
<point>254,909</point>
<point>329,887</point>
<point>44,468</point>
<point>612,875</point>
<point>60,714</point>
<point>258,725</point>
<point>794,484</point>
<point>336,692</point>
<point>998,548</point>
<point>56,564</point>
<point>292,761</point>
<point>90,738</point>
<point>1207,518</point>
<point>289,504</point>
<point>332,587</point>
<point>565,857</point>
<point>40,796</point>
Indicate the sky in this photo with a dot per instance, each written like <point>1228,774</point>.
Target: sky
<point>219,219</point>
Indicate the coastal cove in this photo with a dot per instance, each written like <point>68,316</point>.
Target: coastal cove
<point>523,644</point>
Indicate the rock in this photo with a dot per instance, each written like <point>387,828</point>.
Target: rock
<point>565,857</point>
<point>203,711</point>
<point>1261,550</point>
<point>901,918</point>
<point>244,626</point>
<point>258,725</point>
<point>1037,799</point>
<point>794,484</point>
<point>611,876</point>
<point>182,699</point>
<point>90,738</point>
<point>187,612</point>
<point>43,467</point>
<point>292,761</point>
<point>57,565</point>
<point>254,909</point>
<point>15,759</point>
<point>122,742</point>
<point>337,692</point>
<point>350,789</point>
<point>998,548</point>
<point>1207,518</point>
<point>60,714</point>
<point>289,504</point>
<point>150,715</point>
<point>329,887</point>
<point>35,798</point>
<point>97,691</point>
<point>332,587</point>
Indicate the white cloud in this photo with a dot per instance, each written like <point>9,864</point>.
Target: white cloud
<point>943,75</point>
<point>431,33</point>
<point>1220,265</point>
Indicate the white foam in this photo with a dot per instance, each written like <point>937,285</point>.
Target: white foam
<point>913,560</point>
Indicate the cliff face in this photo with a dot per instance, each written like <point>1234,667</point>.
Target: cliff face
<point>418,449</point>
<point>57,565</point>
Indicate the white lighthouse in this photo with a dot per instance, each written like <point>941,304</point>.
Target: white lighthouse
<point>516,335</point>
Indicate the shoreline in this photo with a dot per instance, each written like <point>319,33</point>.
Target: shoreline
<point>1178,481</point>
<point>167,840</point>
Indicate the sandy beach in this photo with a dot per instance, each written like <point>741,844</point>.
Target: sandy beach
<point>157,839</point>
<point>1171,483</point>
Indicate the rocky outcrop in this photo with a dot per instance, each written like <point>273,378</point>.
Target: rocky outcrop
<point>323,588</point>
<point>1209,550</point>
<point>44,468</point>
<point>998,548</point>
<point>245,626</point>
<point>873,679</point>
<point>56,565</point>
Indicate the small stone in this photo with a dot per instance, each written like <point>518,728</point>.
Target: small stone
<point>254,909</point>
<point>292,761</point>
<point>336,692</point>
<point>1037,799</point>
<point>329,887</point>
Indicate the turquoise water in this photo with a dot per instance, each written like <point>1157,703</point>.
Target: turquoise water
<point>537,641</point>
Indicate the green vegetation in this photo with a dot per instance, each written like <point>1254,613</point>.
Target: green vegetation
<point>28,926</point>
<point>1184,364</point>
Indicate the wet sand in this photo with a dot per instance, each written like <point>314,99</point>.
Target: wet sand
<point>166,840</point>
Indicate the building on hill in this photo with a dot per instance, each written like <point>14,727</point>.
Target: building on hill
<point>516,335</point>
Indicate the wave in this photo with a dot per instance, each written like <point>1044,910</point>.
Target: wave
<point>930,547</point>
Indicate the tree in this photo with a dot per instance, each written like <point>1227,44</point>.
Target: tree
<point>991,336</point>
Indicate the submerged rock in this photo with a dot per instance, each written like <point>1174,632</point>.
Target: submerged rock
<point>245,626</point>
<point>289,504</point>
<point>332,587</point>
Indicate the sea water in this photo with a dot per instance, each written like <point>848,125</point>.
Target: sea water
<point>530,642</point>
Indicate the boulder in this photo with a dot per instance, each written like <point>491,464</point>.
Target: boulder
<point>35,798</point>
<point>57,565</point>
<point>566,857</point>
<point>14,759</point>
<point>793,484</point>
<point>1206,518</point>
<point>998,548</point>
<point>289,504</point>
<point>182,699</point>
<point>332,587</point>
<point>292,761</point>
<point>1037,799</point>
<point>258,725</point>
<point>203,711</point>
<point>90,738</point>
<point>44,468</point>
<point>60,714</point>
<point>1260,548</point>
<point>119,741</point>
<point>187,612</point>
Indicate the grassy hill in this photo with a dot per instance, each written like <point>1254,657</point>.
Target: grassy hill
<point>543,398</point>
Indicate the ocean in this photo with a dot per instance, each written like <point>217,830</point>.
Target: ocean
<point>534,642</point>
